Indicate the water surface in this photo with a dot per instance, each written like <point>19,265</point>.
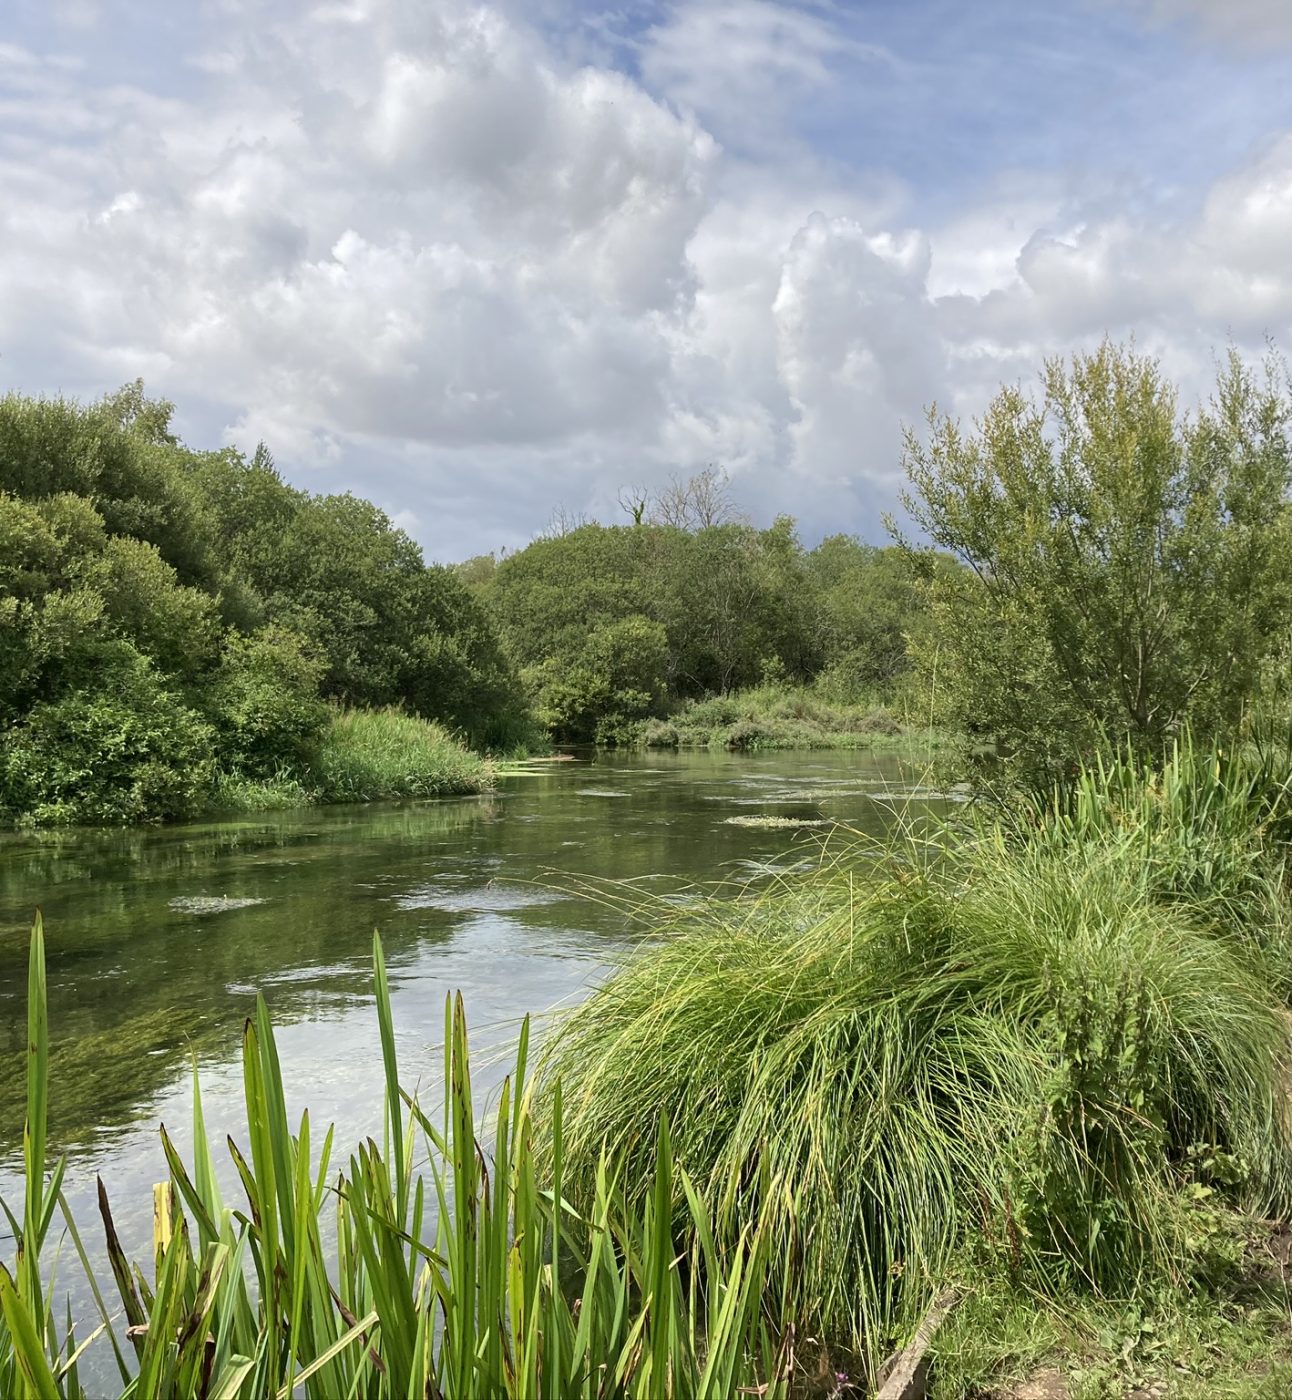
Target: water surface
<point>158,940</point>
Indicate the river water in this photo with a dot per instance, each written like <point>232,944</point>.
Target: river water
<point>158,940</point>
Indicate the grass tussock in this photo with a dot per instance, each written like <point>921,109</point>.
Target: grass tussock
<point>366,755</point>
<point>1053,1058</point>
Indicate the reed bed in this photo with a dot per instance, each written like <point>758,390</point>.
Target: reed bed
<point>457,1271</point>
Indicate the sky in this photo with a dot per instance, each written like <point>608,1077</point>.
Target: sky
<point>478,262</point>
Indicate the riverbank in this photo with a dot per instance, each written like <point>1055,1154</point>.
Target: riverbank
<point>1041,1066</point>
<point>366,756</point>
<point>778,717</point>
<point>359,756</point>
<point>1044,1072</point>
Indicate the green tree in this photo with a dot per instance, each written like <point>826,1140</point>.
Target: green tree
<point>264,703</point>
<point>615,680</point>
<point>1128,565</point>
<point>870,602</point>
<point>126,750</point>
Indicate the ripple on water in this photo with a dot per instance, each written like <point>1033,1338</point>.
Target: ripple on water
<point>478,899</point>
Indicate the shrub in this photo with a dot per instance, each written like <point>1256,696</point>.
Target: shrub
<point>1129,564</point>
<point>126,751</point>
<point>659,734</point>
<point>880,721</point>
<point>265,704</point>
<point>614,681</point>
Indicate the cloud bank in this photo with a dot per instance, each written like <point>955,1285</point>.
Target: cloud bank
<point>427,254</point>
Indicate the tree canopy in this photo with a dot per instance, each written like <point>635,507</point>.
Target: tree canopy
<point>1128,564</point>
<point>166,614</point>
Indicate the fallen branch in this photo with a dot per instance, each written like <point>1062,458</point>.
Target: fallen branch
<point>906,1372</point>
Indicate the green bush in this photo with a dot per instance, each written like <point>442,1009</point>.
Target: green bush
<point>615,681</point>
<point>365,755</point>
<point>126,751</point>
<point>1128,564</point>
<point>264,704</point>
<point>250,600</point>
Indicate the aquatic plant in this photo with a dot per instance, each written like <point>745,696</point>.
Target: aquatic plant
<point>472,1277</point>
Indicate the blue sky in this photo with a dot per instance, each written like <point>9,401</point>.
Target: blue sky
<point>479,260</point>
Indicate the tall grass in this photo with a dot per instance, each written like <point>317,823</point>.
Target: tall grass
<point>1208,827</point>
<point>469,1277</point>
<point>1049,1052</point>
<point>777,716</point>
<point>370,754</point>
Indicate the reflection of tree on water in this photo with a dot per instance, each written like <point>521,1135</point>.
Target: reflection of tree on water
<point>150,961</point>
<point>138,981</point>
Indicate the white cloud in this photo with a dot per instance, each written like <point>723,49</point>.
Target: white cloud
<point>412,248</point>
<point>1238,21</point>
<point>748,61</point>
<point>858,347</point>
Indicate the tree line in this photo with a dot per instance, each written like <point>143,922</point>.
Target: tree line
<point>1091,566</point>
<point>169,615</point>
<point>612,624</point>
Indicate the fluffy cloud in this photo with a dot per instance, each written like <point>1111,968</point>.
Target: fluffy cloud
<point>385,226</point>
<point>420,253</point>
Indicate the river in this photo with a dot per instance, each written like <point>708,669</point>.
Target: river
<point>159,939</point>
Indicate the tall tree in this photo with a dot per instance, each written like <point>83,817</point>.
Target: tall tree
<point>1129,565</point>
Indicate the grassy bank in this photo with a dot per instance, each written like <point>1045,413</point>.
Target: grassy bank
<point>1046,1064</point>
<point>365,756</point>
<point>771,717</point>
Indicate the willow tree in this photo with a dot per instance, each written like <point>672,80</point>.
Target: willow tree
<point>1129,564</point>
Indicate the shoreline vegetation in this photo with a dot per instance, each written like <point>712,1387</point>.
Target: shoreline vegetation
<point>780,717</point>
<point>185,633</point>
<point>1038,1060</point>
<point>366,756</point>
